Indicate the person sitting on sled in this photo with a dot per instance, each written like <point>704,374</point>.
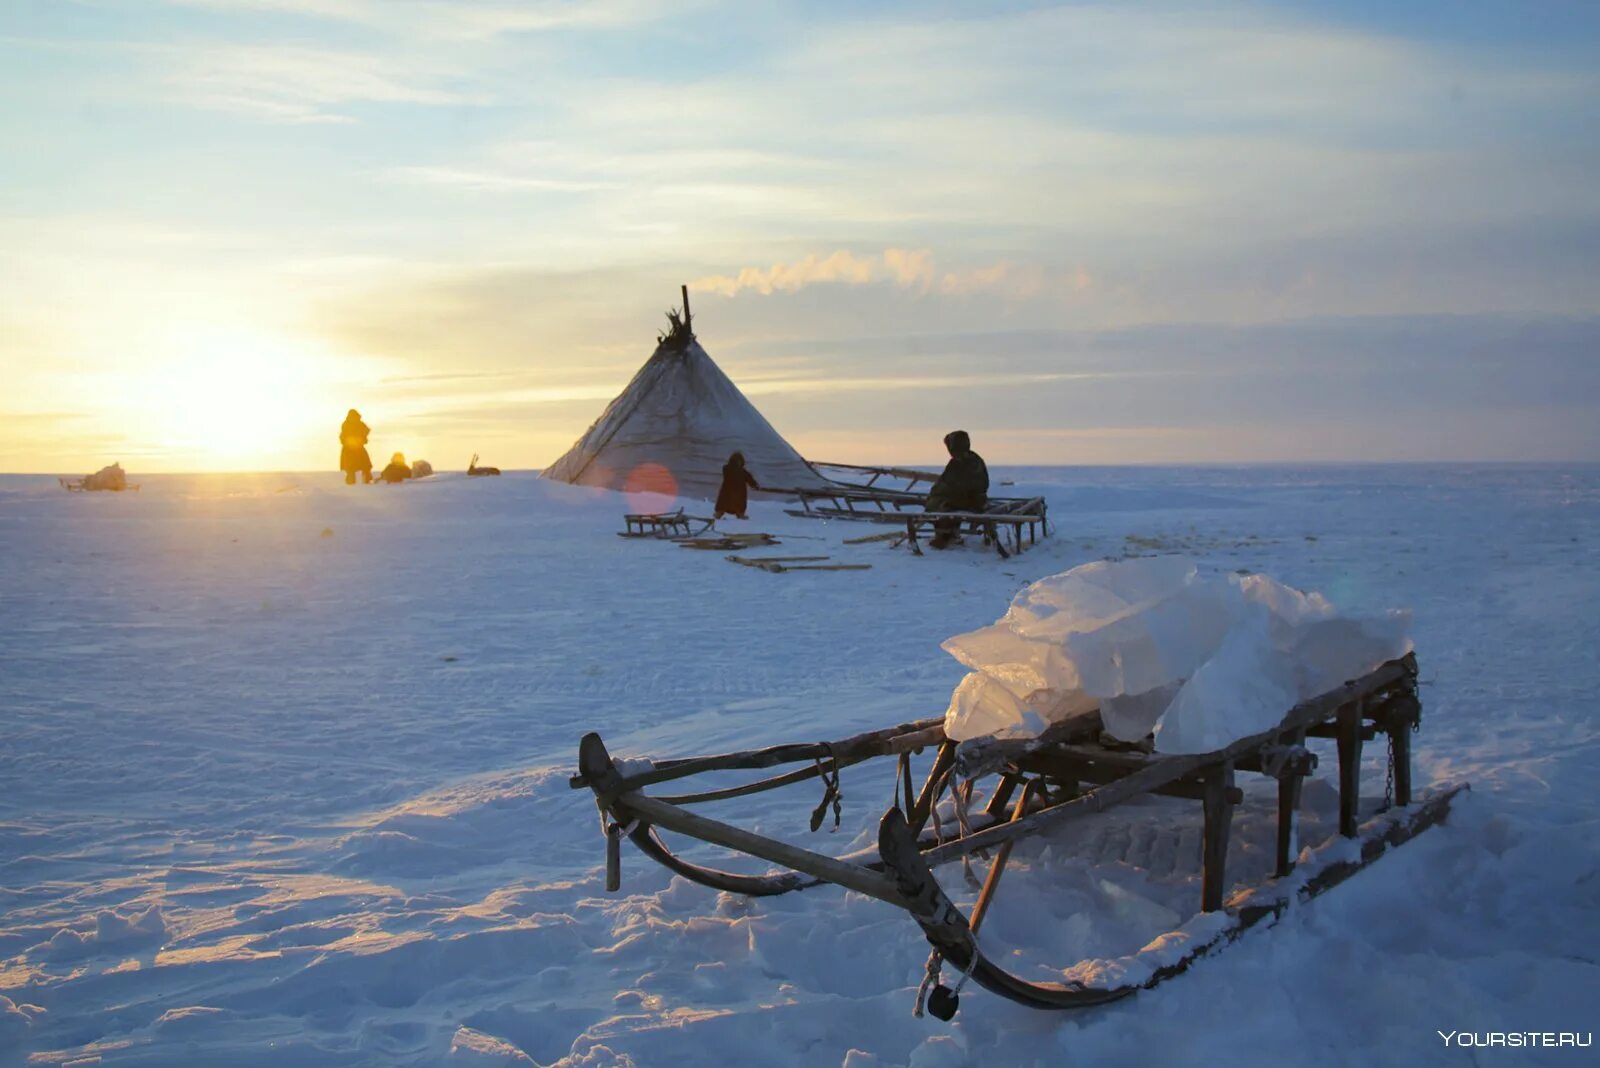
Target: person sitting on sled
<point>737,482</point>
<point>964,487</point>
<point>353,449</point>
<point>397,471</point>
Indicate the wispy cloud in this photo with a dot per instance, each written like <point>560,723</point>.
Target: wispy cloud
<point>906,269</point>
<point>308,85</point>
<point>440,18</point>
<point>836,385</point>
<point>491,181</point>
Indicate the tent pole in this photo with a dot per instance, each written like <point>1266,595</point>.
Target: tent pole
<point>685,307</point>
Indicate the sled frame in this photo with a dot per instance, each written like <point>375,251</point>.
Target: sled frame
<point>664,526</point>
<point>1067,773</point>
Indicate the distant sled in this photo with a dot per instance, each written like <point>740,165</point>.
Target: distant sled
<point>1001,791</point>
<point>665,526</point>
<point>474,471</point>
<point>109,479</point>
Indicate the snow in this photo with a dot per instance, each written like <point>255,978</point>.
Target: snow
<point>285,779</point>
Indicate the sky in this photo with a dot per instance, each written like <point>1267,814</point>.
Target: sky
<point>1086,233</point>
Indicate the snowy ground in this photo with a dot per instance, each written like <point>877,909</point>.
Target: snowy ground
<point>284,779</point>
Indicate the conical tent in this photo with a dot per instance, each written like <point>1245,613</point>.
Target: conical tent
<point>673,428</point>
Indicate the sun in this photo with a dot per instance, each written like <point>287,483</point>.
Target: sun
<point>231,398</point>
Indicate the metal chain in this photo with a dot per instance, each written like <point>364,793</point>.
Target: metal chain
<point>1388,777</point>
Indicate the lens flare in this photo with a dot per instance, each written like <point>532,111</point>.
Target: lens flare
<point>650,487</point>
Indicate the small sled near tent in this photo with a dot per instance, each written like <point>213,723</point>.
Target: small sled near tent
<point>1001,791</point>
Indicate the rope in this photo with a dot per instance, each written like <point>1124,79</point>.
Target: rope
<point>972,963</point>
<point>904,780</point>
<point>933,808</point>
<point>831,794</point>
<point>929,978</point>
<point>958,798</point>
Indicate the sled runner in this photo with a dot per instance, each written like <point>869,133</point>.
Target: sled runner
<point>80,485</point>
<point>1029,786</point>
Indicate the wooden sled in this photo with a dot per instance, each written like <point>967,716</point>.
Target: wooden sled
<point>1028,787</point>
<point>81,485</point>
<point>1025,518</point>
<point>728,542</point>
<point>666,526</point>
<point>778,565</point>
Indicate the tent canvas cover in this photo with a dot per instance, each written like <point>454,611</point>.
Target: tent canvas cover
<point>674,426</point>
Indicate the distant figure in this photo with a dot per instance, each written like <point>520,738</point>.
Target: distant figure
<point>397,471</point>
<point>478,472</point>
<point>737,482</point>
<point>964,487</point>
<point>353,449</point>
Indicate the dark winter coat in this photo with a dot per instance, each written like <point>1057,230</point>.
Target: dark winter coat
<point>394,473</point>
<point>737,482</point>
<point>353,441</point>
<point>964,486</point>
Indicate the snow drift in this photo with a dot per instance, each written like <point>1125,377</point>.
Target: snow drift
<point>1198,661</point>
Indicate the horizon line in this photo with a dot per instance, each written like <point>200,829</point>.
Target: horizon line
<point>939,465</point>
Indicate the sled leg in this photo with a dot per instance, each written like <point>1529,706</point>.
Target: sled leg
<point>1400,738</point>
<point>998,866</point>
<point>1349,731</point>
<point>920,811</point>
<point>1218,807</point>
<point>1002,795</point>
<point>999,543</point>
<point>1291,777</point>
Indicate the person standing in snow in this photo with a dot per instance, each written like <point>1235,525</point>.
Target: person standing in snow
<point>964,487</point>
<point>737,482</point>
<point>353,449</point>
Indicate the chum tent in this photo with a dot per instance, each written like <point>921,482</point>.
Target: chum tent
<point>674,426</point>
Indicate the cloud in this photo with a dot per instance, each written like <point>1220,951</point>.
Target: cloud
<point>490,181</point>
<point>307,85</point>
<point>840,266</point>
<point>48,420</point>
<point>903,268</point>
<point>441,18</point>
<point>835,384</point>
